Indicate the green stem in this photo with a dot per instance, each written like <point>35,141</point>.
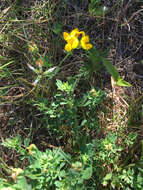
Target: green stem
<point>64,58</point>
<point>4,166</point>
<point>61,62</point>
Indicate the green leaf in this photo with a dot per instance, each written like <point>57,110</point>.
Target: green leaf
<point>58,184</point>
<point>122,82</point>
<point>59,84</point>
<point>107,177</point>
<point>64,86</point>
<point>22,184</point>
<point>112,70</point>
<point>57,28</point>
<point>95,61</point>
<point>14,143</point>
<point>87,173</point>
<point>26,141</point>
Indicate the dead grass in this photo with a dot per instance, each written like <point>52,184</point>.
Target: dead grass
<point>120,31</point>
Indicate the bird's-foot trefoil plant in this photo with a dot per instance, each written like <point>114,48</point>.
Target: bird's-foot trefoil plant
<point>75,40</point>
<point>94,56</point>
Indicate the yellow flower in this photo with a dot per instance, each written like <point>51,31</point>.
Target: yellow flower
<point>85,43</point>
<point>30,148</point>
<point>72,44</point>
<point>74,33</point>
<point>32,47</point>
<point>73,41</point>
<point>109,147</point>
<point>16,172</point>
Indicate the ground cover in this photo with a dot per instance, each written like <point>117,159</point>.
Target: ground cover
<point>68,119</point>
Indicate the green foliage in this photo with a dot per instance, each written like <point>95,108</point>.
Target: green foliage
<point>68,113</point>
<point>64,86</point>
<point>96,8</point>
<point>57,28</point>
<point>61,100</point>
<point>97,166</point>
<point>97,59</point>
<point>14,143</point>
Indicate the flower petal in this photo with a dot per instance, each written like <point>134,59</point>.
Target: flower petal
<point>86,38</point>
<point>88,46</point>
<point>74,33</point>
<point>83,33</point>
<point>85,43</point>
<point>66,36</point>
<point>68,47</point>
<point>75,43</point>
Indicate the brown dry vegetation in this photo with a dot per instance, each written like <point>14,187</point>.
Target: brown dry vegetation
<point>120,31</point>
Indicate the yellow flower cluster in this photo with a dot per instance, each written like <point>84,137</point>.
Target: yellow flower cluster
<point>31,148</point>
<point>16,172</point>
<point>73,41</point>
<point>32,47</point>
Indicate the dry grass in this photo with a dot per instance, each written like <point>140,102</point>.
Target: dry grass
<point>23,23</point>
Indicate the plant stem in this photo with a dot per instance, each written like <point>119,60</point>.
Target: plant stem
<point>61,62</point>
